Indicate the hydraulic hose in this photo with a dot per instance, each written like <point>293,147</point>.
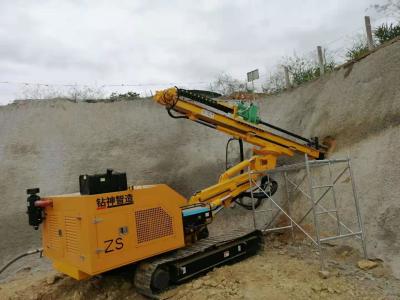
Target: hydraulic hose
<point>40,250</point>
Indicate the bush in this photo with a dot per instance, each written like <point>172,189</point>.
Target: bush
<point>75,92</point>
<point>128,96</point>
<point>227,85</point>
<point>276,83</point>
<point>359,49</point>
<point>386,32</point>
<point>304,69</point>
<point>301,69</point>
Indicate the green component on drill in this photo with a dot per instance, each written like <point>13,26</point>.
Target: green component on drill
<point>249,112</point>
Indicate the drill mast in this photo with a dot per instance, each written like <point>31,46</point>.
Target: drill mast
<point>195,106</point>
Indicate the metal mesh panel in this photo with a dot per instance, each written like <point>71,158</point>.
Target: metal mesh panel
<point>152,223</point>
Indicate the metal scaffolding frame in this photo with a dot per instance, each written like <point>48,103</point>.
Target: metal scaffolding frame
<point>317,209</point>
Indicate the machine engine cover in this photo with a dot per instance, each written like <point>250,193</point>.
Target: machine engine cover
<point>102,183</point>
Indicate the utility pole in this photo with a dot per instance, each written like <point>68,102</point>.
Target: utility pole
<point>321,60</point>
<point>369,32</point>
<point>287,78</point>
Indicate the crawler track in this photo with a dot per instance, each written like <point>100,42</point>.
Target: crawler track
<point>197,259</point>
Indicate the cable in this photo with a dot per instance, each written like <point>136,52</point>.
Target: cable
<point>260,196</point>
<point>40,250</point>
<point>103,85</point>
<point>175,117</point>
<point>171,107</point>
<point>226,152</point>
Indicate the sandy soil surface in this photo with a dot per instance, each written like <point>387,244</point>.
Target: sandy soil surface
<point>281,271</point>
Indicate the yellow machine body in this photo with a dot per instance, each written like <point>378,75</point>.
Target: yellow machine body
<point>85,235</point>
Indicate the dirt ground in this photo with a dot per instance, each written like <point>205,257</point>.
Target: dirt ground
<point>283,270</point>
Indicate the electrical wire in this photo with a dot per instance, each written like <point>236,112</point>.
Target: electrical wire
<point>103,85</point>
<point>40,250</point>
<point>173,116</point>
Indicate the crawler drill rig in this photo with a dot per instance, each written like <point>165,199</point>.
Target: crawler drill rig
<point>108,224</point>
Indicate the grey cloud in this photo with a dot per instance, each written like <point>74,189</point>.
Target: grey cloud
<point>160,41</point>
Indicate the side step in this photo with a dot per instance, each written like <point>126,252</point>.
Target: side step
<point>157,275</point>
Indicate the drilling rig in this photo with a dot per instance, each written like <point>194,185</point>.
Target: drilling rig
<point>109,224</point>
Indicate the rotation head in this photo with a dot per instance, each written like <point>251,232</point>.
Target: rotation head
<point>167,97</point>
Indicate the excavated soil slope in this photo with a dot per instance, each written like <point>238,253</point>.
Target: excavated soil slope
<point>359,106</point>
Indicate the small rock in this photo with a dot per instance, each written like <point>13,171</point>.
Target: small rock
<point>213,283</point>
<point>282,252</point>
<point>111,296</point>
<point>337,290</point>
<point>197,284</point>
<point>77,295</point>
<point>332,262</point>
<point>378,272</point>
<point>276,244</point>
<point>126,285</point>
<point>206,282</point>
<point>316,288</point>
<point>365,264</point>
<point>232,292</point>
<point>24,269</point>
<point>53,279</point>
<point>166,295</point>
<point>96,283</point>
<point>345,253</point>
<point>323,274</point>
<point>340,267</point>
<point>344,250</point>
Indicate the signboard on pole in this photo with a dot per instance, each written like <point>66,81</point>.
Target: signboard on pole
<point>252,75</point>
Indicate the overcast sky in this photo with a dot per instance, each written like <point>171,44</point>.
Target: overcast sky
<point>156,43</point>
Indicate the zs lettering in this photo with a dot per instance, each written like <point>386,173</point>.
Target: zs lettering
<point>112,245</point>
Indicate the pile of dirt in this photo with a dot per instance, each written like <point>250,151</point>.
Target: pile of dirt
<point>281,271</point>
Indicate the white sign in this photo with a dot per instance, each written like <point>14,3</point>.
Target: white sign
<point>253,75</point>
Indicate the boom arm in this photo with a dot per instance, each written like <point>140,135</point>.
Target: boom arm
<point>268,146</point>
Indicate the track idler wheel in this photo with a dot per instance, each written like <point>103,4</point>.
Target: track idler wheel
<point>160,280</point>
